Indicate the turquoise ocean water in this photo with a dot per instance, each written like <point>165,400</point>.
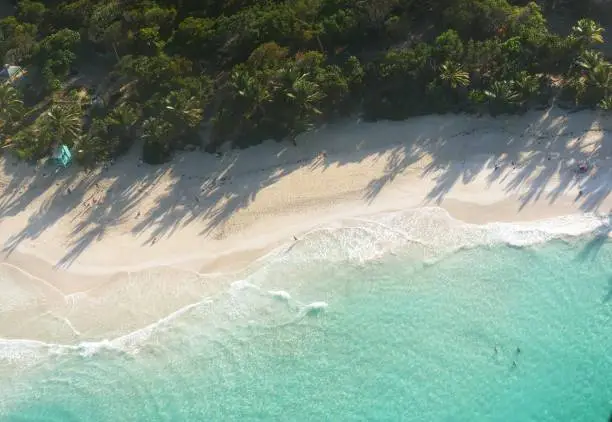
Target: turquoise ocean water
<point>409,317</point>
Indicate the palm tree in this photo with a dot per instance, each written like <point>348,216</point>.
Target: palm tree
<point>601,77</point>
<point>124,115</point>
<point>578,85</point>
<point>11,105</point>
<point>605,103</point>
<point>526,86</point>
<point>502,94</point>
<point>586,32</point>
<point>157,132</point>
<point>303,95</point>
<point>156,129</point>
<point>118,129</point>
<point>251,90</point>
<point>589,60</point>
<point>63,122</point>
<point>453,74</point>
<point>184,109</point>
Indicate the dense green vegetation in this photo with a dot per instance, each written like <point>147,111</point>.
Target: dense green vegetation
<point>102,74</point>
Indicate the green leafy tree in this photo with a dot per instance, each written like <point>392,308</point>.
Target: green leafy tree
<point>156,74</point>
<point>31,11</point>
<point>529,24</point>
<point>148,41</point>
<point>478,19</point>
<point>70,14</point>
<point>397,84</point>
<point>105,26</point>
<point>376,12</point>
<point>448,46</point>
<point>17,39</point>
<point>267,56</point>
<point>30,143</point>
<point>485,57</point>
<point>152,16</point>
<point>195,38</point>
<point>55,55</point>
<point>341,27</point>
<point>272,69</point>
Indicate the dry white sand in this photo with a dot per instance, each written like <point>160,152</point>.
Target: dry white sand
<point>105,252</point>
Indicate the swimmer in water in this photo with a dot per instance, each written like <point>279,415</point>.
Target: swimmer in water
<point>518,350</point>
<point>513,364</point>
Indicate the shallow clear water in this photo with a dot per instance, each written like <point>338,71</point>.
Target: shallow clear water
<point>323,335</point>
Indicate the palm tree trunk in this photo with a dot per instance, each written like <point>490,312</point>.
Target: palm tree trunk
<point>320,44</point>
<point>116,54</point>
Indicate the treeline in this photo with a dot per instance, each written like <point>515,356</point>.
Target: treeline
<point>250,70</point>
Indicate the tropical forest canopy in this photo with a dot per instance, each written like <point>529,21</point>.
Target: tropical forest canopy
<point>103,74</point>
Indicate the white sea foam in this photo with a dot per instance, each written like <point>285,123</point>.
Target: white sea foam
<point>280,294</point>
<point>432,230</point>
<point>435,233</point>
<point>314,308</point>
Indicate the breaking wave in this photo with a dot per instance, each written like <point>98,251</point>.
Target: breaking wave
<point>426,234</point>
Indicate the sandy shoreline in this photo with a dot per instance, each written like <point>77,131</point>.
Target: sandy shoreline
<point>202,214</point>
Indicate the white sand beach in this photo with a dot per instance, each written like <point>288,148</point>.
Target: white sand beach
<point>95,252</point>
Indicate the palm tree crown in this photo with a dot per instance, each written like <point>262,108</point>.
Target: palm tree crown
<point>453,74</point>
<point>64,123</point>
<point>587,32</point>
<point>11,105</point>
<point>502,92</point>
<point>589,60</point>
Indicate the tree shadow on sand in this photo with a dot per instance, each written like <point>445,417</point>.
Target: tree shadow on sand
<point>537,158</point>
<point>400,158</point>
<point>209,189</point>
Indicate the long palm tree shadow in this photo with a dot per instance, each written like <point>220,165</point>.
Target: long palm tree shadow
<point>537,186</point>
<point>399,160</point>
<point>80,245</point>
<point>596,188</point>
<point>217,216</point>
<point>567,180</point>
<point>51,210</point>
<point>108,214</point>
<point>444,182</point>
